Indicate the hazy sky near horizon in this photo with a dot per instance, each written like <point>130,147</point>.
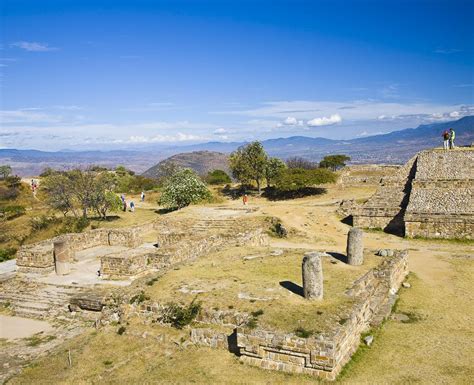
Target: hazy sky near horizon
<point>120,74</point>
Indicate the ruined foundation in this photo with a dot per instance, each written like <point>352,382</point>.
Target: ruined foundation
<point>323,355</point>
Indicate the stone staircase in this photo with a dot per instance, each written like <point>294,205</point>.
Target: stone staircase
<point>37,300</point>
<point>221,225</point>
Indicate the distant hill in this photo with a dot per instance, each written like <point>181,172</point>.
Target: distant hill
<point>200,161</point>
<point>393,148</point>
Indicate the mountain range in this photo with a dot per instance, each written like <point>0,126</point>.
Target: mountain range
<point>392,148</point>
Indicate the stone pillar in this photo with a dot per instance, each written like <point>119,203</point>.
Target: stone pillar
<point>355,247</point>
<point>62,257</point>
<point>312,276</point>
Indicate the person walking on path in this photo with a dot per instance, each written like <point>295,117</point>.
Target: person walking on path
<point>446,140</point>
<point>452,136</point>
<point>142,197</point>
<point>245,199</point>
<point>132,206</point>
<point>124,206</point>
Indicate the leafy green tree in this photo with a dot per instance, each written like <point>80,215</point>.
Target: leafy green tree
<point>293,179</point>
<point>59,192</point>
<point>273,170</point>
<point>334,162</point>
<point>76,190</point>
<point>182,189</point>
<point>5,171</point>
<point>103,198</point>
<point>249,163</point>
<point>122,171</point>
<point>217,177</point>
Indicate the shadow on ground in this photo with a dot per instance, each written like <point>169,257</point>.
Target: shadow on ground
<point>293,287</point>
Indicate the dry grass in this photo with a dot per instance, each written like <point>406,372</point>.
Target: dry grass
<point>438,348</point>
<point>224,276</point>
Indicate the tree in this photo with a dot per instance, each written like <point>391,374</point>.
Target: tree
<point>5,171</point>
<point>183,188</point>
<point>293,179</point>
<point>334,162</point>
<point>249,163</point>
<point>103,198</point>
<point>59,193</point>
<point>273,170</point>
<point>298,162</point>
<point>218,177</point>
<point>81,190</point>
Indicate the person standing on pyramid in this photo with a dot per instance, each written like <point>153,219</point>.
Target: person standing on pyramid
<point>452,136</point>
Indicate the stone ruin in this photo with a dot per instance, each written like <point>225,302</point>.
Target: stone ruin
<point>187,243</point>
<point>431,196</point>
<point>324,354</point>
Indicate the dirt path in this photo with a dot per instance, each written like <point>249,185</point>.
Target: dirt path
<point>16,327</point>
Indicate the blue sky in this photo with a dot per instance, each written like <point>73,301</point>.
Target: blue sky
<point>120,74</point>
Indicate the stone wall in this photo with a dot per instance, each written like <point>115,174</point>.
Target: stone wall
<point>326,354</point>
<point>116,266</point>
<point>33,258</point>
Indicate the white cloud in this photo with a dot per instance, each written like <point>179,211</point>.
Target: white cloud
<point>220,131</point>
<point>33,46</point>
<point>290,121</point>
<point>179,137</point>
<point>316,122</point>
<point>27,115</point>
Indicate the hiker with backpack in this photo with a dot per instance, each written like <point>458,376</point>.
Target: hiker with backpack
<point>452,136</point>
<point>446,140</point>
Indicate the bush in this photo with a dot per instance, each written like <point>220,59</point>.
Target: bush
<point>183,188</point>
<point>7,254</point>
<point>179,316</point>
<point>121,330</point>
<point>303,333</point>
<point>73,225</point>
<point>218,177</point>
<point>293,179</point>
<point>42,222</point>
<point>139,298</point>
<point>11,212</point>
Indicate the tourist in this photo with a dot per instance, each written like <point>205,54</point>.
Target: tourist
<point>446,140</point>
<point>452,136</point>
<point>245,199</point>
<point>132,206</point>
<point>124,206</point>
<point>122,197</point>
<point>143,196</point>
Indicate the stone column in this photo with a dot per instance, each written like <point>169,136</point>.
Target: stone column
<point>312,276</point>
<point>62,257</point>
<point>355,247</point>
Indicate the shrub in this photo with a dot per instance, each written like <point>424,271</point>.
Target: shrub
<point>11,212</point>
<point>121,330</point>
<point>303,333</point>
<point>183,188</point>
<point>218,177</point>
<point>179,316</point>
<point>7,254</point>
<point>42,222</point>
<point>73,225</point>
<point>139,298</point>
<point>293,179</point>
